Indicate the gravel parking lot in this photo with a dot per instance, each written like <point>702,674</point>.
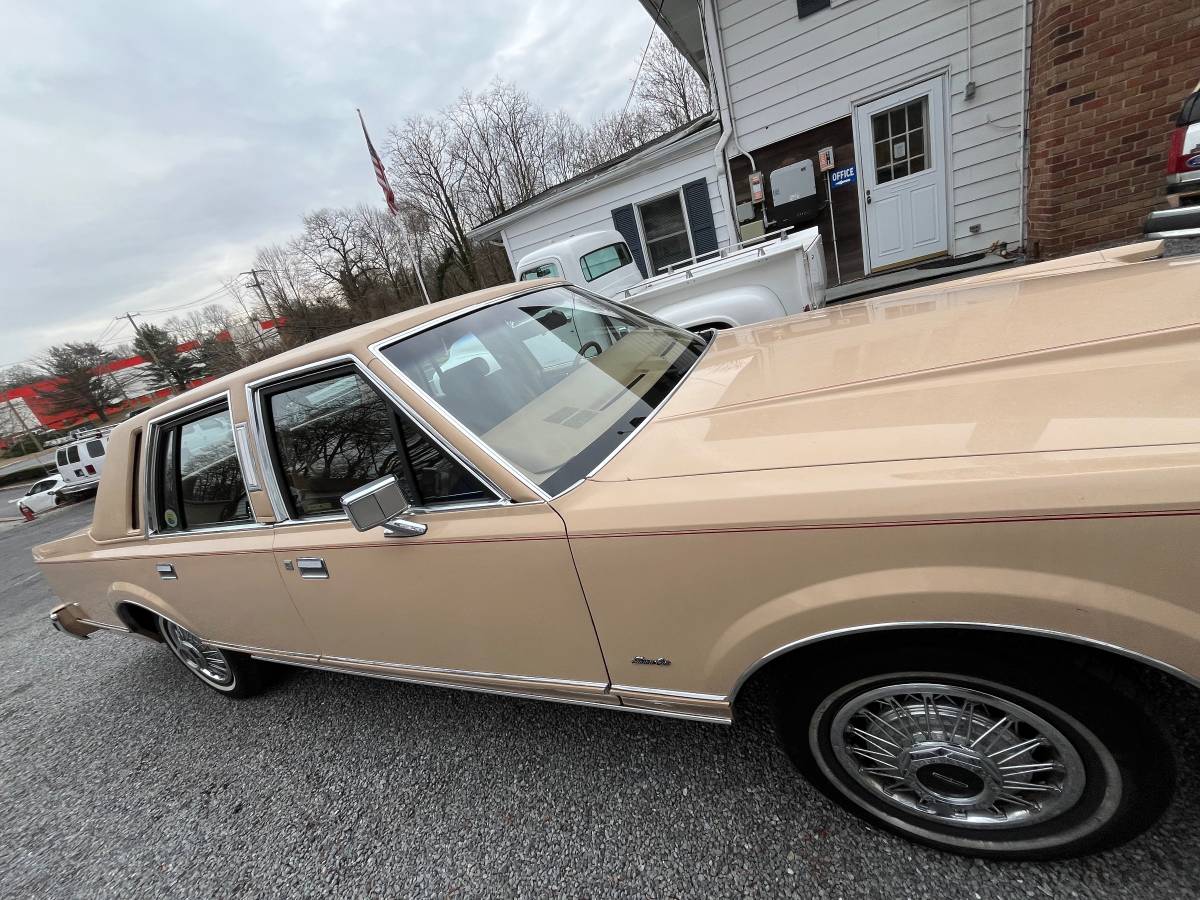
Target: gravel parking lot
<point>121,776</point>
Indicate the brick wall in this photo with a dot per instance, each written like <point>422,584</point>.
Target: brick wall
<point>1107,79</point>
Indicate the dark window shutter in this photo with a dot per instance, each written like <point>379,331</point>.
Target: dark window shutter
<point>808,7</point>
<point>625,222</point>
<point>699,212</point>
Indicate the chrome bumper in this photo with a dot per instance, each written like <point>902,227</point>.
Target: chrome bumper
<point>65,618</point>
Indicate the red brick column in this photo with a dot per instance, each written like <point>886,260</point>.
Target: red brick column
<point>1107,79</point>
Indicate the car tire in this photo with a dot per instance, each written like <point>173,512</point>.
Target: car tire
<point>59,499</point>
<point>898,738</point>
<point>234,675</point>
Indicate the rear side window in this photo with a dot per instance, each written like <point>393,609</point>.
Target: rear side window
<point>197,478</point>
<point>73,453</point>
<point>94,448</point>
<point>545,270</point>
<point>604,260</point>
<point>334,432</point>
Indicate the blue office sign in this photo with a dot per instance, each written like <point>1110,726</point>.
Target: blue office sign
<point>843,176</point>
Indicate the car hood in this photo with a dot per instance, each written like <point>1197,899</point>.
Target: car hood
<point>1066,358</point>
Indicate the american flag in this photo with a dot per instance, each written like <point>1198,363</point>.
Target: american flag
<point>380,174</point>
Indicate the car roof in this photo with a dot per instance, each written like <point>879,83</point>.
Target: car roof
<point>353,341</point>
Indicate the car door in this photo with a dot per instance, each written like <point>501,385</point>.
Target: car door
<point>207,561</point>
<point>488,595</point>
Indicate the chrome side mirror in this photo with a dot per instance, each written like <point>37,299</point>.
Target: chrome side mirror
<point>381,503</point>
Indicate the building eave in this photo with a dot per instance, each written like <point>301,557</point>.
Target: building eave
<point>679,20</point>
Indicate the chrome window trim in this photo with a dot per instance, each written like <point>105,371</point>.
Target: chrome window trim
<point>241,443</point>
<point>977,626</point>
<point>149,467</point>
<point>257,416</point>
<point>376,350</point>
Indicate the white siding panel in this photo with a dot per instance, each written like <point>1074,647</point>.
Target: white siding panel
<point>967,175</point>
<point>592,210</point>
<point>788,75</point>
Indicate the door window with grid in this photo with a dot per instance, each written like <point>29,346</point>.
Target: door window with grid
<point>666,232</point>
<point>901,147</point>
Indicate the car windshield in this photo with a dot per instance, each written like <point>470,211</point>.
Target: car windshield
<point>552,381</point>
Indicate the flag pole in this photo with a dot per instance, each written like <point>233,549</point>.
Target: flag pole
<point>390,199</point>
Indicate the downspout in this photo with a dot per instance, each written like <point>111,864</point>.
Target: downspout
<point>1026,40</point>
<point>716,77</point>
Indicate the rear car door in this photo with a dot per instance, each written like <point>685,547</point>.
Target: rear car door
<point>488,595</point>
<point>207,561</point>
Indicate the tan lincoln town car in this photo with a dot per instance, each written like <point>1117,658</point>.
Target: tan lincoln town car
<point>948,527</point>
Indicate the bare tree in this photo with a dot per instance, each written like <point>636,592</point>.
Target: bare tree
<point>669,88</point>
<point>430,175</point>
<point>387,256</point>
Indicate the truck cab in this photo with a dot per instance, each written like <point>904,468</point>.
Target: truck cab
<point>763,278</point>
<point>598,260</point>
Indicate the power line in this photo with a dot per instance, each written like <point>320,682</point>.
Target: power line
<point>178,306</point>
<point>638,73</point>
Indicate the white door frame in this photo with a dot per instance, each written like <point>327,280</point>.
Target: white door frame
<point>861,155</point>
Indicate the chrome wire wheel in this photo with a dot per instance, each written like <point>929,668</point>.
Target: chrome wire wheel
<point>933,757</point>
<point>207,663</point>
<point>962,756</point>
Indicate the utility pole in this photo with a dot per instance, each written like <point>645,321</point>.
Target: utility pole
<point>149,348</point>
<point>253,273</point>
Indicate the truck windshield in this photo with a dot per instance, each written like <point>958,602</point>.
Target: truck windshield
<point>552,381</point>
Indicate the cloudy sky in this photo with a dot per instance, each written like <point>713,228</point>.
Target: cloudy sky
<point>149,147</point>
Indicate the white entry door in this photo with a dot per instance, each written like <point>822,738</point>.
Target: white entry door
<point>900,141</point>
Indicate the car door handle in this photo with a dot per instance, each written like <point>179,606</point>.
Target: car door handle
<point>312,567</point>
<point>166,571</point>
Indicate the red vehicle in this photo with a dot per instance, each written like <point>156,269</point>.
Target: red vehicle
<point>1183,165</point>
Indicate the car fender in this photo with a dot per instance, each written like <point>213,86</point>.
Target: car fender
<point>127,593</point>
<point>1119,619</point>
<point>729,306</point>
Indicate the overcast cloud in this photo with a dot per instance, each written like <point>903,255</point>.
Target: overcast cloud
<point>148,148</point>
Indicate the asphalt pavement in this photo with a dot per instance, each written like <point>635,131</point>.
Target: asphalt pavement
<point>122,776</point>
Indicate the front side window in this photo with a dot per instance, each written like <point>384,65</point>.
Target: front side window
<point>198,480</point>
<point>606,259</point>
<point>541,270</point>
<point>568,378</point>
<point>666,233</point>
<point>39,487</point>
<point>333,432</point>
